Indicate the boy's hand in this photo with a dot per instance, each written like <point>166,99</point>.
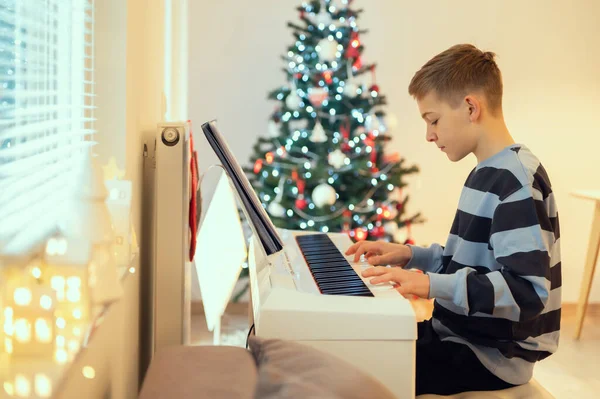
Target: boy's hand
<point>381,252</point>
<point>408,283</point>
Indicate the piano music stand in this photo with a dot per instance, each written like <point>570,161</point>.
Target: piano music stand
<point>220,253</point>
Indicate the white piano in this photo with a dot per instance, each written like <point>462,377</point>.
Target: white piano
<point>372,327</point>
<point>304,289</point>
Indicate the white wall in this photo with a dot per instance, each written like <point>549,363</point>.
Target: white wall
<point>548,53</point>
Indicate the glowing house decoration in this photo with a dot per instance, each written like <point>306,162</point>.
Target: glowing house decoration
<point>28,317</point>
<point>66,271</point>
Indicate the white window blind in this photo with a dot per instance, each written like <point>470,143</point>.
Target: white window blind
<point>46,113</point>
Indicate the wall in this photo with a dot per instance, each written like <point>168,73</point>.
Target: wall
<point>547,52</point>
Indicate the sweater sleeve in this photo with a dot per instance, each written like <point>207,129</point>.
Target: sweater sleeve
<point>426,259</point>
<point>521,239</point>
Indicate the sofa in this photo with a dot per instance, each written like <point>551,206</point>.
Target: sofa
<point>276,369</point>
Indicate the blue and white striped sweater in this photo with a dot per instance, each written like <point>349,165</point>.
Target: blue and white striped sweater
<point>497,281</point>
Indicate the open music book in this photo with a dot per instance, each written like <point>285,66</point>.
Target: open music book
<point>263,226</point>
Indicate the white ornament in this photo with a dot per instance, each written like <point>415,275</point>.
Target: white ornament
<point>327,50</point>
<point>390,228</point>
<point>372,122</point>
<point>322,18</point>
<point>337,159</point>
<point>396,195</point>
<point>318,134</point>
<point>276,209</point>
<point>293,100</point>
<point>339,4</point>
<point>317,95</point>
<point>323,195</point>
<point>400,236</point>
<point>297,124</point>
<point>350,88</point>
<point>273,129</point>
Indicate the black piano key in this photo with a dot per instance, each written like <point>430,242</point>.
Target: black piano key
<point>345,291</point>
<point>345,285</point>
<point>330,269</point>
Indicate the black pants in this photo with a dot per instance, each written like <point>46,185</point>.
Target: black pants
<point>446,368</point>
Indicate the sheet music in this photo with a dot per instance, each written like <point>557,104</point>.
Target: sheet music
<point>263,225</point>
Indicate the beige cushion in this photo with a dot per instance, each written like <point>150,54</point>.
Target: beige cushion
<point>531,390</point>
<point>288,369</point>
<point>200,372</point>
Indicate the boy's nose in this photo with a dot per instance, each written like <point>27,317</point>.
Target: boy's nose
<point>431,136</point>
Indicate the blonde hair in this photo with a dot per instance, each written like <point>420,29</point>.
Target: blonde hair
<point>454,72</point>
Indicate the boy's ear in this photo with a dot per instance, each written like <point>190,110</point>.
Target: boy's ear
<point>474,106</point>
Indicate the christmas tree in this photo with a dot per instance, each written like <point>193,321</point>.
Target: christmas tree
<point>322,166</point>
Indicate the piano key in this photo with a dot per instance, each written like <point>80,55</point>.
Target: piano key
<point>346,291</point>
<point>346,285</point>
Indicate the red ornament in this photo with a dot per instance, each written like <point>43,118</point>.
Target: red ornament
<point>378,231</point>
<point>301,203</point>
<point>347,214</point>
<point>353,49</point>
<point>345,147</point>
<point>374,168</point>
<point>374,87</point>
<point>294,175</point>
<point>357,64</point>
<point>392,158</point>
<point>258,166</point>
<point>327,77</point>
<point>360,234</point>
<point>399,206</point>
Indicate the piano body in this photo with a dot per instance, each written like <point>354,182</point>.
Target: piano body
<point>311,293</point>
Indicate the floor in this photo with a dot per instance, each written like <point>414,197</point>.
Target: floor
<point>572,372</point>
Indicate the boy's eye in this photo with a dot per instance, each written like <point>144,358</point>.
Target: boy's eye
<point>434,122</point>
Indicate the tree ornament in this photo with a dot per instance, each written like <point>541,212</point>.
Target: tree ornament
<point>300,201</point>
<point>317,95</point>
<point>293,100</point>
<point>318,133</point>
<point>337,159</point>
<point>353,47</point>
<point>327,50</point>
<point>400,236</point>
<point>258,166</point>
<point>327,77</point>
<point>357,64</point>
<point>275,208</point>
<point>374,89</point>
<point>391,228</point>
<point>372,122</point>
<point>323,195</point>
<point>323,18</point>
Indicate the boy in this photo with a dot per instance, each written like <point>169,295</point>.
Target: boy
<point>496,283</point>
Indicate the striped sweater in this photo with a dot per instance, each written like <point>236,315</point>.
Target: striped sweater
<point>497,281</point>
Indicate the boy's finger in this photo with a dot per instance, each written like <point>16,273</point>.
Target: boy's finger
<point>381,260</point>
<point>384,278</point>
<point>364,247</point>
<point>375,271</point>
<point>352,248</point>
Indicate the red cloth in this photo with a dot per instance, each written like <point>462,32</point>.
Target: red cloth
<point>193,212</point>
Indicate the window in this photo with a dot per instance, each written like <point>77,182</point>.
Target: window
<point>46,113</point>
